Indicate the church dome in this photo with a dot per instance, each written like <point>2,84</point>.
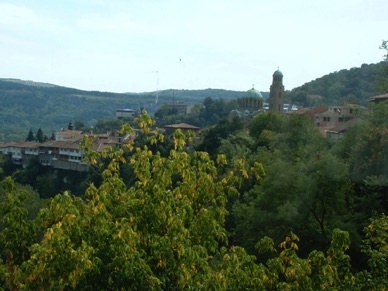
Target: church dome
<point>278,73</point>
<point>253,93</point>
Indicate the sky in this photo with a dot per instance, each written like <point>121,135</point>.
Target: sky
<point>148,45</point>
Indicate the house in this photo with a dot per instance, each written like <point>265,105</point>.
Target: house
<point>125,113</point>
<point>338,131</point>
<point>308,111</point>
<point>170,129</point>
<point>378,98</point>
<point>333,121</point>
<point>65,153</point>
<point>336,120</point>
<point>69,134</point>
<point>16,151</point>
<point>179,108</point>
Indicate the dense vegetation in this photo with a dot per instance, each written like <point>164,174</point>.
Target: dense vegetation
<point>209,113</point>
<point>355,85</point>
<point>255,204</point>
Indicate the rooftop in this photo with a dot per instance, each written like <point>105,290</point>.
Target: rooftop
<point>253,93</point>
<point>181,125</point>
<point>278,73</point>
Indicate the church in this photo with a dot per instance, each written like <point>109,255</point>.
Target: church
<point>252,102</point>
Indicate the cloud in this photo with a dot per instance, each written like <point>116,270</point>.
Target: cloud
<point>118,23</point>
<point>14,16</point>
<point>227,44</point>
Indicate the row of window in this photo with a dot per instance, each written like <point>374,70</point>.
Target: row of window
<point>69,150</point>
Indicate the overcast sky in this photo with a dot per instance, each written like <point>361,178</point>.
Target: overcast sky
<point>144,45</point>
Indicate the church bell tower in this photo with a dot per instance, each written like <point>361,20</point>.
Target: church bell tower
<point>276,92</point>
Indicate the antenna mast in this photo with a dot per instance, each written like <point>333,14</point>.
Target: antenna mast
<point>157,86</point>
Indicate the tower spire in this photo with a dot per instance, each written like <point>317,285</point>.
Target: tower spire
<point>276,93</point>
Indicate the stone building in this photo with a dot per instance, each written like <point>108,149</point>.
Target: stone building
<point>250,104</point>
<point>252,100</point>
<point>276,92</point>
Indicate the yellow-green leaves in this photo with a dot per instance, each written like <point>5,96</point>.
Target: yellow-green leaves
<point>144,121</point>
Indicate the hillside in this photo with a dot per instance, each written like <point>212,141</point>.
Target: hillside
<point>26,105</point>
<point>354,85</point>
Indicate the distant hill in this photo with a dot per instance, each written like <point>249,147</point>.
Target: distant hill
<point>26,105</point>
<point>353,85</point>
<point>30,83</point>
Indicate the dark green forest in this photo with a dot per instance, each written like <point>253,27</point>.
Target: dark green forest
<point>263,204</point>
<point>355,85</point>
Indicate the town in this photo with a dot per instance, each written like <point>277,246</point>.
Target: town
<point>65,150</point>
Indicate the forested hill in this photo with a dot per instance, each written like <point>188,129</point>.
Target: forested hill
<point>26,105</point>
<point>354,85</point>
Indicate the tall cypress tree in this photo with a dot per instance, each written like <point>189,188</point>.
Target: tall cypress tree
<point>30,136</point>
<point>40,137</point>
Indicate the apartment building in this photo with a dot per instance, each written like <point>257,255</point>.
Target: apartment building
<point>65,153</point>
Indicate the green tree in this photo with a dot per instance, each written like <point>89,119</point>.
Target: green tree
<point>17,232</point>
<point>166,230</point>
<point>40,137</point>
<point>106,125</point>
<point>307,198</point>
<point>45,185</point>
<point>368,155</point>
<point>30,136</point>
<point>214,110</point>
<point>165,111</point>
<point>384,46</point>
<point>320,271</point>
<point>2,162</point>
<point>213,136</point>
<point>376,247</point>
<point>267,121</point>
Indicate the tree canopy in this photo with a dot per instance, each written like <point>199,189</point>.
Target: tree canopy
<point>167,230</point>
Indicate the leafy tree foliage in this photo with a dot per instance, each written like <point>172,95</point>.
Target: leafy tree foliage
<point>165,111</point>
<point>375,246</point>
<point>384,46</point>
<point>166,229</point>
<point>17,232</point>
<point>31,136</point>
<point>106,125</point>
<point>305,188</point>
<point>365,146</point>
<point>80,125</point>
<point>40,136</point>
<point>355,85</point>
<point>307,199</point>
<point>213,136</point>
